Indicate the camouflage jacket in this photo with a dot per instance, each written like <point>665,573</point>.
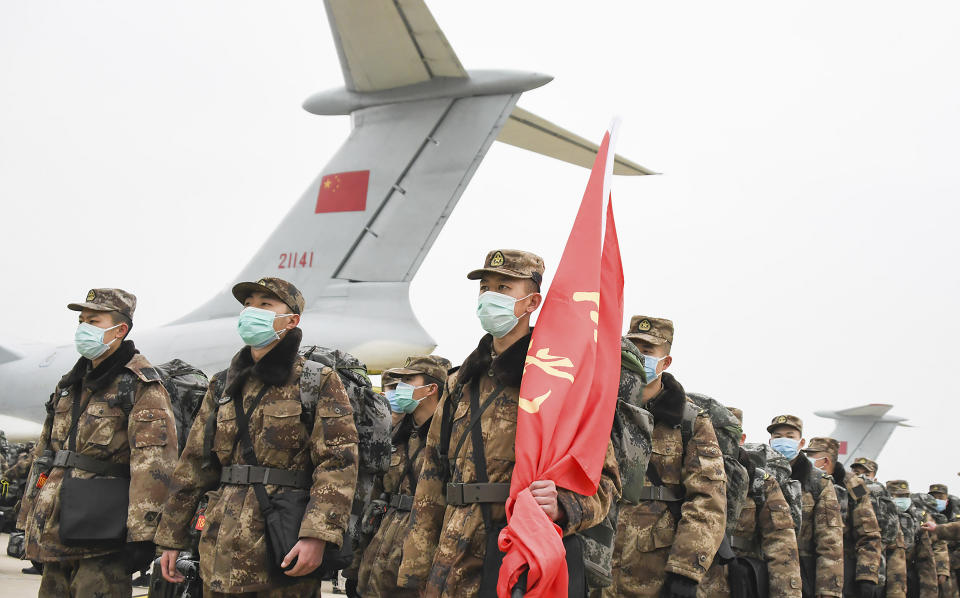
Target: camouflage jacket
<point>765,532</point>
<point>233,555</point>
<point>952,513</point>
<point>921,561</point>
<point>894,570</point>
<point>381,556</point>
<point>821,528</point>
<point>444,550</point>
<point>862,543</point>
<point>145,438</point>
<point>927,506</point>
<point>650,541</point>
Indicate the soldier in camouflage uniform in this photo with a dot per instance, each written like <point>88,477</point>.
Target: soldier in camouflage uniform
<point>921,560</point>
<point>458,508</point>
<point>670,528</point>
<point>320,459</point>
<point>381,557</point>
<point>114,404</point>
<point>928,508</point>
<point>765,531</point>
<point>949,509</point>
<point>895,550</point>
<point>821,527</point>
<point>862,543</point>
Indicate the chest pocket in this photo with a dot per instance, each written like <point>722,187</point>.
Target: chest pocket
<point>500,430</point>
<point>282,428</point>
<point>667,457</point>
<point>61,420</point>
<point>102,423</point>
<point>226,433</point>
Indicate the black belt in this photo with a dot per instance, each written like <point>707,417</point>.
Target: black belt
<point>244,475</point>
<point>662,493</point>
<point>77,461</point>
<point>466,494</point>
<point>401,502</point>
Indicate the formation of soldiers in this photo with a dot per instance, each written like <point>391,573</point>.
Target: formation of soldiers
<point>265,493</point>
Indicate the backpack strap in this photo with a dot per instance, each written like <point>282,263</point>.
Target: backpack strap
<point>446,428</point>
<point>218,387</point>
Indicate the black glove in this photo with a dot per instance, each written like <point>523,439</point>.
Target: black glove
<point>351,588</point>
<point>138,556</point>
<point>678,586</point>
<point>868,589</point>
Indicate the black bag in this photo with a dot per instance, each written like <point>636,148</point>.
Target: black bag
<point>15,545</point>
<point>748,578</point>
<point>93,510</point>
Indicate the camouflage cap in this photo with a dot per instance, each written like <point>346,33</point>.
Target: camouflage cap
<point>786,420</point>
<point>865,463</point>
<point>824,445</point>
<point>431,365</point>
<point>656,331</point>
<point>940,488</point>
<point>737,413</point>
<point>107,300</point>
<point>513,263</point>
<point>898,487</point>
<point>279,288</point>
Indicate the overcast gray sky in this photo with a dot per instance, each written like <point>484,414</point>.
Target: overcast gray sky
<point>802,236</point>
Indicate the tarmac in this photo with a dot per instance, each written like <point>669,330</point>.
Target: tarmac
<point>15,584</point>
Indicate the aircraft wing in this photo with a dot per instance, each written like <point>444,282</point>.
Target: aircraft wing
<point>385,44</point>
<point>871,410</point>
<point>526,130</point>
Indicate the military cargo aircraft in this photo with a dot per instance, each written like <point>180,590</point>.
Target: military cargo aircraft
<point>421,125</point>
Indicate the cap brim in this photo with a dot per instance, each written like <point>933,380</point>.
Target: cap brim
<point>90,306</point>
<point>478,274</point>
<point>242,290</point>
<point>404,372</point>
<point>649,338</point>
<point>773,427</point>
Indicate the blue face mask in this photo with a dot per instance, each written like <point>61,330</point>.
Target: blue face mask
<point>391,394</point>
<point>941,505</point>
<point>902,502</point>
<point>89,340</point>
<point>255,326</point>
<point>495,311</point>
<point>404,398</point>
<point>650,367</point>
<point>788,447</point>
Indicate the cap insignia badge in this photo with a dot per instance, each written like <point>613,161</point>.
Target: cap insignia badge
<point>497,260</point>
<point>91,296</point>
<point>643,326</point>
<point>781,419</point>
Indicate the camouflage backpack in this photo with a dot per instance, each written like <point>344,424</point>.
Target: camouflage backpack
<point>768,461</point>
<point>729,433</point>
<point>371,415</point>
<point>888,516</point>
<point>910,525</point>
<point>631,439</point>
<point>926,504</point>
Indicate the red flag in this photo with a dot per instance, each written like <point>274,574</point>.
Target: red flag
<point>343,192</point>
<point>569,390</point>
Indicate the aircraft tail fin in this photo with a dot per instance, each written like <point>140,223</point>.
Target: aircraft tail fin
<point>526,130</point>
<point>863,431</point>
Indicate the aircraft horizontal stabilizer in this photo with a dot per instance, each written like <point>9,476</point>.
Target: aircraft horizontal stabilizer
<point>526,130</point>
<point>385,44</point>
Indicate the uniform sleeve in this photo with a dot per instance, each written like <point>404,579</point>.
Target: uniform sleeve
<point>334,450</point>
<point>828,537</point>
<point>779,543</point>
<point>429,505</point>
<point>152,432</point>
<point>949,531</point>
<point>583,512</point>
<point>704,512</point>
<point>190,481</point>
<point>866,529</point>
<point>942,557</point>
<point>927,566</point>
<point>43,444</point>
<point>897,567</point>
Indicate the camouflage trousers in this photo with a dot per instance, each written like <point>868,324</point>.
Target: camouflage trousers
<point>95,577</point>
<point>307,588</point>
<point>642,576</point>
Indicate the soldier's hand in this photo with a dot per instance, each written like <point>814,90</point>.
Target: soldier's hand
<point>308,553</point>
<point>678,586</point>
<point>168,566</point>
<point>943,579</point>
<point>545,493</point>
<point>929,526</point>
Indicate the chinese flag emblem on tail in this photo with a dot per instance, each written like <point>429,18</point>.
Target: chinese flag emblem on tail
<point>568,394</point>
<point>343,192</point>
